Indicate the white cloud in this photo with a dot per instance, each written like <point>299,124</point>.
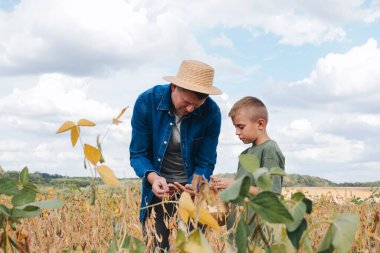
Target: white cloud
<point>349,81</point>
<point>222,41</point>
<point>119,34</point>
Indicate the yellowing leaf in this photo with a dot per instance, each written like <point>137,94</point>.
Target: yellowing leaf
<point>65,127</point>
<point>74,135</point>
<point>117,121</point>
<point>92,154</point>
<point>207,219</point>
<point>85,122</point>
<point>188,209</point>
<point>107,175</point>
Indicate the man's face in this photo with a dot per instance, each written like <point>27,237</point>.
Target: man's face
<point>184,101</point>
<point>246,129</point>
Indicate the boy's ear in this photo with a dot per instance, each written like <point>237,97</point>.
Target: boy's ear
<point>261,122</point>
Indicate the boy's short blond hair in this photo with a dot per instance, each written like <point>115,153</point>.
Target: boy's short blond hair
<point>253,106</point>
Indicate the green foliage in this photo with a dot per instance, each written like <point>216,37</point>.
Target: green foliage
<point>255,228</point>
<point>23,196</point>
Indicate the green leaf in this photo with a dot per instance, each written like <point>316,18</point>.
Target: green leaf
<point>269,207</point>
<point>237,191</point>
<point>249,162</point>
<point>298,212</point>
<point>278,247</point>
<point>277,171</point>
<point>16,213</point>
<point>309,205</point>
<point>24,176</point>
<point>25,196</point>
<point>49,203</point>
<point>112,248</point>
<point>263,179</point>
<point>180,239</point>
<point>341,234</point>
<point>298,196</point>
<point>295,236</point>
<point>196,238</point>
<point>133,245</point>
<point>8,186</point>
<point>31,187</point>
<point>4,210</point>
<point>241,236</point>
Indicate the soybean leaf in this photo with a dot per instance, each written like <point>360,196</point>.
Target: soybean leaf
<point>16,213</point>
<point>341,234</point>
<point>23,197</point>
<point>85,122</point>
<point>298,196</point>
<point>241,236</point>
<point>298,212</point>
<point>295,235</point>
<point>49,203</point>
<point>269,207</point>
<point>75,135</point>
<point>309,205</point>
<point>8,186</point>
<point>24,176</point>
<point>133,245</point>
<point>65,127</point>
<point>112,248</point>
<point>92,154</point>
<point>249,162</point>
<point>279,247</point>
<point>237,191</point>
<point>263,179</point>
<point>4,210</point>
<point>107,175</point>
<point>277,171</point>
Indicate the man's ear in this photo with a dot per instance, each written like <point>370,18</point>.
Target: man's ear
<point>173,87</point>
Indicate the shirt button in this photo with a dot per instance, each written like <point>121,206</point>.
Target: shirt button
<point>165,142</point>
<point>171,123</point>
<point>159,159</point>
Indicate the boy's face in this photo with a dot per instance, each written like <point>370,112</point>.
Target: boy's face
<point>247,130</point>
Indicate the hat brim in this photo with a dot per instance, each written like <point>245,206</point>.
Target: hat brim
<point>189,86</point>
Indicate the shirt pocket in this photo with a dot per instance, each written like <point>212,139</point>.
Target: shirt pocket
<point>197,144</point>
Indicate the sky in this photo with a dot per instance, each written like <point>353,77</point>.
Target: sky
<point>316,66</point>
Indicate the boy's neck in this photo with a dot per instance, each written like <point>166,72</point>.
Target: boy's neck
<point>261,139</point>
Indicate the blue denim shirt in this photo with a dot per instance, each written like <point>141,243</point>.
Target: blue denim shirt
<point>152,126</point>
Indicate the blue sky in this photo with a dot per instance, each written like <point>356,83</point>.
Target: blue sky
<point>316,66</point>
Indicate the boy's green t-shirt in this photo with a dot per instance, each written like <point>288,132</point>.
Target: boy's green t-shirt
<point>269,156</point>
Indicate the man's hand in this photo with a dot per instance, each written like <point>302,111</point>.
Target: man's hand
<point>159,184</point>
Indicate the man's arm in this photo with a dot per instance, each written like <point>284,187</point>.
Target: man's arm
<point>140,147</point>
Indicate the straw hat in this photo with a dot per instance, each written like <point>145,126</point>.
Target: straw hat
<point>196,76</point>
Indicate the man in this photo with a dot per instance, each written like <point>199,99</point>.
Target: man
<point>175,130</point>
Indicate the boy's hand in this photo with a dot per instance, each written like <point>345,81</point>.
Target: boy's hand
<point>221,183</point>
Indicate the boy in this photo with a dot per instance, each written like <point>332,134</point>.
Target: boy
<point>250,117</point>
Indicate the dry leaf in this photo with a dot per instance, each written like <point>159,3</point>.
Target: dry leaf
<point>107,175</point>
<point>74,135</point>
<point>117,121</point>
<point>65,127</point>
<point>85,122</point>
<point>92,154</point>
